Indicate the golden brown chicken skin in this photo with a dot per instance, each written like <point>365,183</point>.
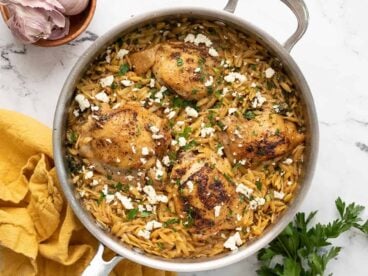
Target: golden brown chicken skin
<point>200,191</point>
<point>182,67</point>
<point>124,138</point>
<point>265,137</point>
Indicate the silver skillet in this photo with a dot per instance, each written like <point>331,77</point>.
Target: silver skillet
<point>98,266</point>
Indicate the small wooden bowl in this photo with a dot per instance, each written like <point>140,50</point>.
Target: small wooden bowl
<point>78,23</point>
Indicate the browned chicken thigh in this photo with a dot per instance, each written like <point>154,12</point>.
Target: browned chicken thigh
<point>185,68</point>
<point>124,138</point>
<point>265,137</point>
<point>204,197</point>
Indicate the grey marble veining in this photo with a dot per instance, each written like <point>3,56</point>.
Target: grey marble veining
<point>333,56</point>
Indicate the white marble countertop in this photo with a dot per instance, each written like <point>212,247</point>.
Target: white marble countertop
<point>332,55</point>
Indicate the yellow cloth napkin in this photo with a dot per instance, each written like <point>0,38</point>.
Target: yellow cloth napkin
<point>39,234</point>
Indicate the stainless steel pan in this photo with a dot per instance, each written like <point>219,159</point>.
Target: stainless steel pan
<point>100,267</point>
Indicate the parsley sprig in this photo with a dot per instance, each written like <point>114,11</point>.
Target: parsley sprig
<point>306,251</point>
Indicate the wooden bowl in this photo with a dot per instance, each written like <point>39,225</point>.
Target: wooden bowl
<point>78,23</point>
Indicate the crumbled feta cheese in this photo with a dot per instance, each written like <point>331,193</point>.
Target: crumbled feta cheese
<point>141,208</point>
<point>116,106</point>
<point>241,188</point>
<point>191,112</point>
<point>220,151</point>
<point>130,177</point>
<point>94,108</point>
<point>157,136</point>
<point>133,149</point>
<point>102,97</point>
<point>217,210</point>
<point>278,195</point>
<point>143,160</point>
<point>166,160</point>
<point>258,100</point>
<point>253,84</point>
<point>180,123</point>
<point>107,81</point>
<point>197,70</point>
<point>258,201</point>
<point>159,170</point>
<point>207,131</point>
<point>76,113</point>
<point>153,198</point>
<point>154,129</point>
<point>243,161</point>
<point>269,73</point>
<point>182,141</point>
<point>122,53</point>
<point>174,142</point>
<point>238,217</point>
<point>109,198</point>
<point>171,115</point>
<point>126,201</point>
<point>237,133</point>
<point>199,39</point>
<point>94,182</point>
<point>152,83</point>
<point>145,151</point>
<point>108,140</point>
<point>144,233</point>
<point>276,107</point>
<point>149,207</point>
<point>233,242</point>
<point>288,161</point>
<point>108,58</point>
<point>190,186</point>
<point>189,38</point>
<point>88,175</point>
<point>212,52</point>
<point>225,91</point>
<point>232,110</point>
<point>127,83</point>
<point>153,224</point>
<point>159,95</point>
<point>290,183</point>
<point>233,76</point>
<point>209,82</point>
<point>82,101</point>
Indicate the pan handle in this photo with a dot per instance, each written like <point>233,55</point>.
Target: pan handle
<point>299,9</point>
<point>99,267</point>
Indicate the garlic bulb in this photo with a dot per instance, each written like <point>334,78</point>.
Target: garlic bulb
<point>31,20</point>
<point>73,7</point>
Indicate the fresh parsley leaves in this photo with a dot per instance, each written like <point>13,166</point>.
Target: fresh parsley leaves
<point>304,250</point>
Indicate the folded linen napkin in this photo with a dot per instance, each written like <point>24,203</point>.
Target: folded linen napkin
<point>39,234</point>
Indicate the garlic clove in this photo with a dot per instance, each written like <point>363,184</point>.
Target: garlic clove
<point>73,7</point>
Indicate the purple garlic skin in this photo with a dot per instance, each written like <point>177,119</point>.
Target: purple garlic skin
<point>31,20</point>
<point>73,7</point>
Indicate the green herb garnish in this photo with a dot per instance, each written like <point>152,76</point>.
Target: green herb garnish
<point>179,102</point>
<point>71,137</point>
<point>259,185</point>
<point>101,198</point>
<point>171,221</point>
<point>249,114</point>
<point>124,68</point>
<point>179,62</point>
<point>132,213</point>
<point>190,145</point>
<point>145,214</point>
<point>304,250</point>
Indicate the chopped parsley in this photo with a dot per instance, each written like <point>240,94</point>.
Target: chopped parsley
<point>190,145</point>
<point>101,198</point>
<point>145,214</point>
<point>124,68</point>
<point>194,91</point>
<point>179,62</point>
<point>228,178</point>
<point>179,102</point>
<point>259,185</point>
<point>121,187</point>
<point>249,114</point>
<point>71,137</point>
<point>170,222</point>
<point>132,213</point>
